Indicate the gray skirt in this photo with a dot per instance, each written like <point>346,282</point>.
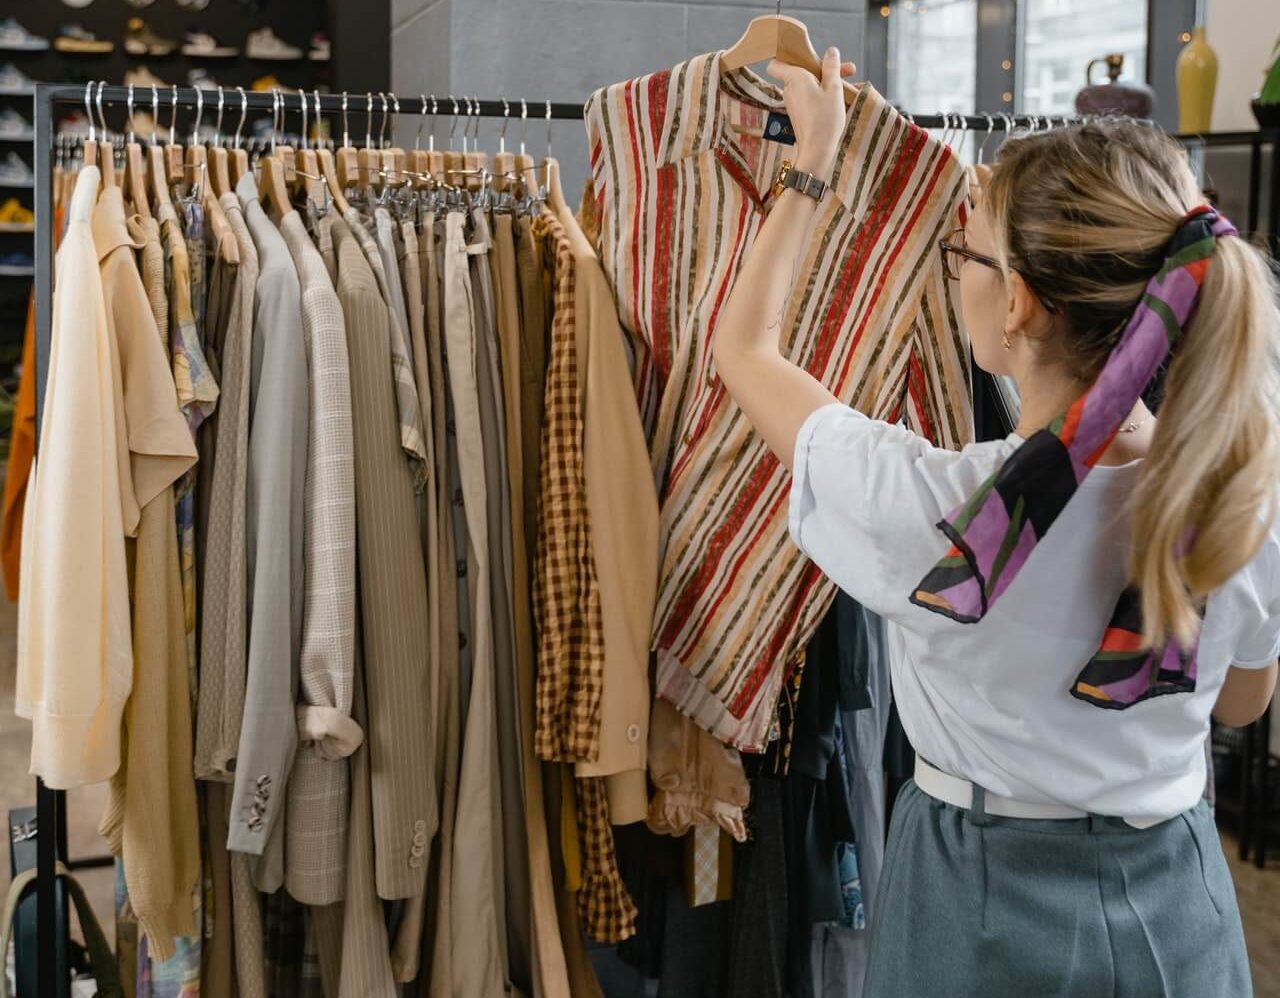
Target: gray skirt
<point>976,905</point>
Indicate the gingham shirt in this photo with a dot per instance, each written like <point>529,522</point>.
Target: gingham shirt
<point>566,595</point>
<point>682,180</point>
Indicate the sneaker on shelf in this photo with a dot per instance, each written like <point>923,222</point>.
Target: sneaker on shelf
<point>15,126</point>
<point>321,48</point>
<point>16,38</point>
<point>202,45</point>
<point>15,217</point>
<point>140,76</point>
<point>17,264</point>
<point>76,123</point>
<point>14,172</point>
<point>139,39</point>
<point>142,125</point>
<point>265,84</point>
<point>263,44</point>
<point>14,81</point>
<point>201,79</point>
<point>75,39</point>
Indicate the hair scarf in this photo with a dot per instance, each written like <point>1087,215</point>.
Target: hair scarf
<point>995,531</point>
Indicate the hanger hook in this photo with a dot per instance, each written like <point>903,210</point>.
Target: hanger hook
<point>506,120</point>
<point>304,141</point>
<point>346,137</point>
<point>548,129</point>
<point>173,114</point>
<point>195,125</point>
<point>217,128</point>
<point>422,120</point>
<point>368,120</point>
<point>128,105</point>
<point>382,132</point>
<point>88,110</point>
<point>431,137</point>
<point>315,100</point>
<point>453,125</point>
<point>155,113</point>
<point>275,115</point>
<point>395,109</point>
<point>244,113</point>
<point>524,123</point>
<point>102,118</point>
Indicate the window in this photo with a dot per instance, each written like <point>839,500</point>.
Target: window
<point>932,63</point>
<point>1060,37</point>
<point>933,55</point>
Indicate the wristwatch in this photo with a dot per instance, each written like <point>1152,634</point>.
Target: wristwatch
<point>806,183</point>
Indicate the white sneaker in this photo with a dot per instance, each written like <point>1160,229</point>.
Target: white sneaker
<point>321,49</point>
<point>14,172</point>
<point>201,79</point>
<point>14,126</point>
<point>263,44</point>
<point>203,45</point>
<point>12,81</point>
<point>15,37</point>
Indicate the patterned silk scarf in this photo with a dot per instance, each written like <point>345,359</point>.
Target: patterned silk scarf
<point>996,530</point>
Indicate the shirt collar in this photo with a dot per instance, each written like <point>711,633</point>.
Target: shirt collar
<point>111,225</point>
<point>693,97</point>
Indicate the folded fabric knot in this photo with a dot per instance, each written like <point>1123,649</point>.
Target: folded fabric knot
<point>333,733</point>
<point>993,533</point>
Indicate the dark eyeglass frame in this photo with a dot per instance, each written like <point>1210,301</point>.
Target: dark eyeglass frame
<point>952,271</point>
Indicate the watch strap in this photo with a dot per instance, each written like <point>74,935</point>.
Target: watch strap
<point>806,183</point>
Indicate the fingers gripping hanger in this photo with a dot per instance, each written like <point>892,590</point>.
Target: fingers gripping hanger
<point>776,36</point>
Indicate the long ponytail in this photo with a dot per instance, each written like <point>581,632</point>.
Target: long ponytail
<point>1207,490</point>
<point>1086,215</point>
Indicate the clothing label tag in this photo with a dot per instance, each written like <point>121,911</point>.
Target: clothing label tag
<point>778,129</point>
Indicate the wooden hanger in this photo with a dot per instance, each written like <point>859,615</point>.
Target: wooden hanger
<point>307,180</point>
<point>158,175</point>
<point>555,196</point>
<point>238,156</point>
<point>777,36</point>
<point>272,189</point>
<point>135,171</point>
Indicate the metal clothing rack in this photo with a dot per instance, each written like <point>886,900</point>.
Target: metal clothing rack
<point>51,834</point>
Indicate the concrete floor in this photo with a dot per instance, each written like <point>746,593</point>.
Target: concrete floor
<point>1258,890</point>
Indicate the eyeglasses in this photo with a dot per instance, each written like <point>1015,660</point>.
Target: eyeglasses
<point>955,253</point>
<point>952,247</point>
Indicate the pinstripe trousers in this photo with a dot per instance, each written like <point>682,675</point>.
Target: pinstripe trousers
<point>477,937</point>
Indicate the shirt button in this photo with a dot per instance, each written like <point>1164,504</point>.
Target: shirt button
<point>415,861</point>
<point>419,825</point>
<point>419,838</point>
<point>417,850</point>
<point>633,733</point>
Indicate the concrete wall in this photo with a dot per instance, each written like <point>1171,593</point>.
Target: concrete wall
<point>1242,32</point>
<point>564,49</point>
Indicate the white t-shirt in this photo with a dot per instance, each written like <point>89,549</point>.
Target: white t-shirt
<point>989,701</point>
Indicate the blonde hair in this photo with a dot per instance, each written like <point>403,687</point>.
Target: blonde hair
<point>1085,214</point>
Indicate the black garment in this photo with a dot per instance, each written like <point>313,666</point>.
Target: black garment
<point>763,885</point>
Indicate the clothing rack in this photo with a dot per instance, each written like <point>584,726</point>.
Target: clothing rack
<point>51,834</point>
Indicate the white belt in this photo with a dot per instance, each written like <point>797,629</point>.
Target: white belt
<point>959,793</point>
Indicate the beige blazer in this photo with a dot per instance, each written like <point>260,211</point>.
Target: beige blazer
<point>316,818</point>
<point>393,590</point>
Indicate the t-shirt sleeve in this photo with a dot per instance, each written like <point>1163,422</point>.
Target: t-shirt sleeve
<point>866,497</point>
<point>1257,642</point>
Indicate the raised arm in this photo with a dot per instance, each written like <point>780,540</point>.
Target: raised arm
<point>776,395</point>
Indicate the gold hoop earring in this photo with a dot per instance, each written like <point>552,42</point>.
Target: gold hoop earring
<point>1004,340</point>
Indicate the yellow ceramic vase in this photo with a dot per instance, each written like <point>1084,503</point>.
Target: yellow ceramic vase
<point>1197,78</point>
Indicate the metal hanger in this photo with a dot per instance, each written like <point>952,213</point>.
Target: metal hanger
<point>503,161</point>
<point>325,160</point>
<point>90,150</point>
<point>219,176</point>
<point>135,171</point>
<point>239,156</point>
<point>272,188</point>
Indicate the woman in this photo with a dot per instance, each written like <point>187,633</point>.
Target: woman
<point>1044,593</point>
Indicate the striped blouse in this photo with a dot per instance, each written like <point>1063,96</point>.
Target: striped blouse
<point>682,179</point>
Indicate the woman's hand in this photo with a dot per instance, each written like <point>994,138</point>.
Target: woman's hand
<point>816,108</point>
